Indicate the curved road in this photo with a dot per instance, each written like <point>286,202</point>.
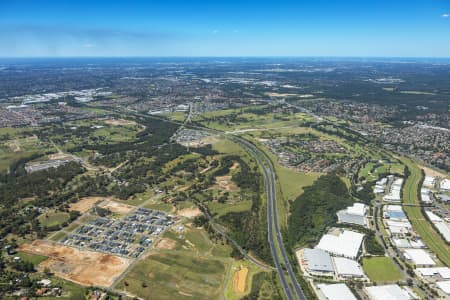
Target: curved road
<point>272,214</point>
<point>272,220</point>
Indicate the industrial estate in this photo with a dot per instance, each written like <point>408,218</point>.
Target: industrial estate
<point>231,179</point>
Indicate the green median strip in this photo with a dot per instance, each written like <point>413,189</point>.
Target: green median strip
<point>422,226</point>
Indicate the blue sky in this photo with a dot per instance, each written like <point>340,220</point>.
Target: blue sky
<point>399,28</point>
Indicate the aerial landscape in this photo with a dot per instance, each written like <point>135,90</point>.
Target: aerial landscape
<point>172,162</point>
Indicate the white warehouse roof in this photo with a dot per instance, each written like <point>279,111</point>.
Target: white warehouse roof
<point>444,230</point>
<point>432,216</point>
<point>444,272</point>
<point>358,209</point>
<point>347,267</point>
<point>445,184</point>
<point>385,292</point>
<point>394,208</point>
<point>338,291</point>
<point>419,257</point>
<point>429,181</point>
<point>347,243</point>
<point>444,286</point>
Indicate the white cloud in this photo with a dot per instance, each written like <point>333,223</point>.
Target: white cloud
<point>446,15</point>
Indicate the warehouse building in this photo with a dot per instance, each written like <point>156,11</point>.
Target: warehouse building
<point>338,291</point>
<point>445,185</point>
<point>345,243</point>
<point>391,292</point>
<point>444,286</point>
<point>429,181</point>
<point>394,212</point>
<point>419,257</point>
<point>318,262</point>
<point>438,272</point>
<point>355,214</point>
<point>348,268</point>
<point>394,194</point>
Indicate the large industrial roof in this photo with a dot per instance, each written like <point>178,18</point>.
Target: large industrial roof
<point>347,267</point>
<point>444,272</point>
<point>444,286</point>
<point>347,243</point>
<point>385,292</point>
<point>318,260</point>
<point>419,257</point>
<point>338,291</point>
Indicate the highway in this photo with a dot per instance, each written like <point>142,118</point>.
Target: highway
<point>272,213</point>
<point>272,223</point>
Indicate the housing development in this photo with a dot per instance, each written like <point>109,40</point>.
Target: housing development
<point>262,178</point>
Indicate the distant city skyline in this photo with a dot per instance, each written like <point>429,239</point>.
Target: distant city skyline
<point>225,28</point>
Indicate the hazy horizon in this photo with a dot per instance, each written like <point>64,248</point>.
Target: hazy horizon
<point>196,28</point>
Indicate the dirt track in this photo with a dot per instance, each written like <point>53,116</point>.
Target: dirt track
<point>87,268</point>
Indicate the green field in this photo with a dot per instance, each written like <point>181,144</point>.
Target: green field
<point>176,276</point>
<point>370,173</point>
<point>381,269</point>
<point>220,209</point>
<point>194,268</point>
<point>420,223</point>
<point>71,291</point>
<point>32,258</point>
<point>53,219</point>
<point>158,205</point>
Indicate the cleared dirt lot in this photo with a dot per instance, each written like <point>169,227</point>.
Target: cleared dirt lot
<point>85,204</point>
<point>166,244</point>
<point>189,212</point>
<point>431,172</point>
<point>119,122</point>
<point>224,183</point>
<point>116,207</point>
<point>240,280</point>
<point>87,268</point>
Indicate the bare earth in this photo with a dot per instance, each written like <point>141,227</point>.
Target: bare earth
<point>234,166</point>
<point>240,280</point>
<point>166,244</point>
<point>225,183</point>
<point>119,122</point>
<point>86,268</point>
<point>116,207</point>
<point>189,212</point>
<point>431,172</point>
<point>14,146</point>
<point>85,204</point>
<point>60,156</point>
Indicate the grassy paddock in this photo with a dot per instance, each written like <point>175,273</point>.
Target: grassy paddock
<point>175,276</point>
<point>381,269</point>
<point>53,219</point>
